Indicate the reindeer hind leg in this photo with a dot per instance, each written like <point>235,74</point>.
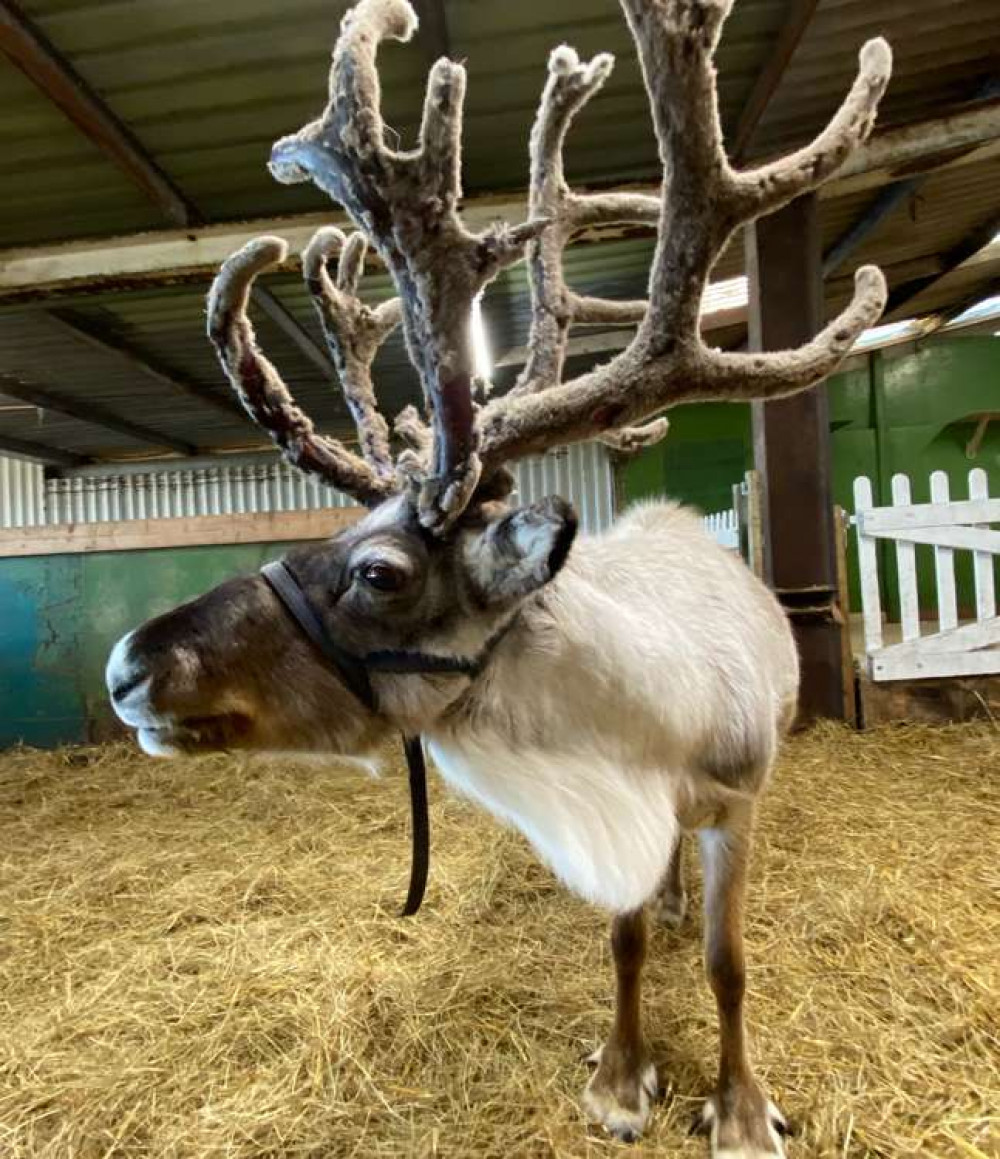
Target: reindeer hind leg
<point>739,1119</point>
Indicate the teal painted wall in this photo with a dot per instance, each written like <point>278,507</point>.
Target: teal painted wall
<point>61,614</point>
<point>905,409</point>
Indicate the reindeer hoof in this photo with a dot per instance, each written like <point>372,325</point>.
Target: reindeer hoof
<point>748,1126</point>
<point>618,1097</point>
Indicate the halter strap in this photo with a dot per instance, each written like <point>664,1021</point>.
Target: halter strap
<point>355,671</point>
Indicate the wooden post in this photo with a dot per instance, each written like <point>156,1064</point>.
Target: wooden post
<point>792,452</point>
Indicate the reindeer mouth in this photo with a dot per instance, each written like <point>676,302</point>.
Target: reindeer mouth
<point>195,734</point>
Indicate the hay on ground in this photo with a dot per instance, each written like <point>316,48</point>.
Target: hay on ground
<point>202,958</point>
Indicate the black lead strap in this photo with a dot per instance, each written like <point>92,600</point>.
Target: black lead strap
<point>354,671</point>
<point>420,824</point>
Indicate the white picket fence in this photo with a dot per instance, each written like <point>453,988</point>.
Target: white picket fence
<point>724,528</point>
<point>948,525</point>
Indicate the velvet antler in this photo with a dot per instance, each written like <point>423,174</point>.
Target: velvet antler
<point>406,204</point>
<point>703,202</point>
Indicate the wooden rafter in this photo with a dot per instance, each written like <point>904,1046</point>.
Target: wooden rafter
<point>85,411</point>
<point>54,456</point>
<point>956,309</point>
<point>890,198</point>
<point>884,203</point>
<point>29,49</point>
<point>99,338</point>
<point>292,329</point>
<point>797,19</point>
<point>973,243</point>
<point>172,255</point>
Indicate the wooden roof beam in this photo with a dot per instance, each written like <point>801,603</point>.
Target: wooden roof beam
<point>941,319</point>
<point>972,244</point>
<point>886,202</point>
<point>99,338</point>
<point>889,199</point>
<point>797,20</point>
<point>52,456</point>
<point>85,411</point>
<point>41,62</point>
<point>170,256</point>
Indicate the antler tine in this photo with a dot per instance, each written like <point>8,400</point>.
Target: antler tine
<point>260,388</point>
<point>766,375</point>
<point>412,429</point>
<point>760,191</point>
<point>406,204</point>
<point>632,440</point>
<point>354,332</point>
<point>555,307</point>
<point>703,201</point>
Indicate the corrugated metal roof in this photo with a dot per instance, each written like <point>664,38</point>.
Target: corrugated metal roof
<point>207,88</point>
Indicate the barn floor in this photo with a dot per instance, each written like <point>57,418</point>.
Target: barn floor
<point>202,959</point>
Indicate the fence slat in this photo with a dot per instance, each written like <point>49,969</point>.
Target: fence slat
<point>906,566</point>
<point>871,606</point>
<point>982,561</point>
<point>944,563</point>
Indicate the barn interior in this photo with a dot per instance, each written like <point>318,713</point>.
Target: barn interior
<point>136,154</point>
<point>135,141</point>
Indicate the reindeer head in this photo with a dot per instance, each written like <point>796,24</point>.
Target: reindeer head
<point>233,669</point>
<point>444,560</point>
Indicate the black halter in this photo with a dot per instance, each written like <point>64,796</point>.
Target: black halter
<point>355,672</point>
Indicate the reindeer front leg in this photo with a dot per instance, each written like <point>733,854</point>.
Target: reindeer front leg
<point>740,1120</point>
<point>621,1091</point>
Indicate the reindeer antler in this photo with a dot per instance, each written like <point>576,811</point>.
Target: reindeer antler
<point>406,205</point>
<point>261,389</point>
<point>703,201</point>
<point>354,332</point>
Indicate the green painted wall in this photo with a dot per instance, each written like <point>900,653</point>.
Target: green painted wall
<point>903,410</point>
<point>61,614</point>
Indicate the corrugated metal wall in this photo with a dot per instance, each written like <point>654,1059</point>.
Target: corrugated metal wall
<point>22,493</point>
<point>581,473</point>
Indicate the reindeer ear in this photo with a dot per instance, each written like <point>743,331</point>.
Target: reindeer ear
<point>521,551</point>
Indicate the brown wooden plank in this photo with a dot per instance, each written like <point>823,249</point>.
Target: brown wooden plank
<point>792,452</point>
<point>193,531</point>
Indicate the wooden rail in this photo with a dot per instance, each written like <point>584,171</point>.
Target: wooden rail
<point>193,531</point>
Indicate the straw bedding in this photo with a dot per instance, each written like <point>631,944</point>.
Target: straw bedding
<point>202,958</point>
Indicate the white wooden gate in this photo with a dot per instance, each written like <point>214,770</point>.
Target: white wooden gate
<point>954,649</point>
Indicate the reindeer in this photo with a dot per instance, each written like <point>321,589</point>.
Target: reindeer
<point>601,694</point>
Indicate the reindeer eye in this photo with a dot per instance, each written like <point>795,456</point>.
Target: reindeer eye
<point>383,577</point>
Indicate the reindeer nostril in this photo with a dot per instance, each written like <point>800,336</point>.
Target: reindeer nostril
<point>124,687</point>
